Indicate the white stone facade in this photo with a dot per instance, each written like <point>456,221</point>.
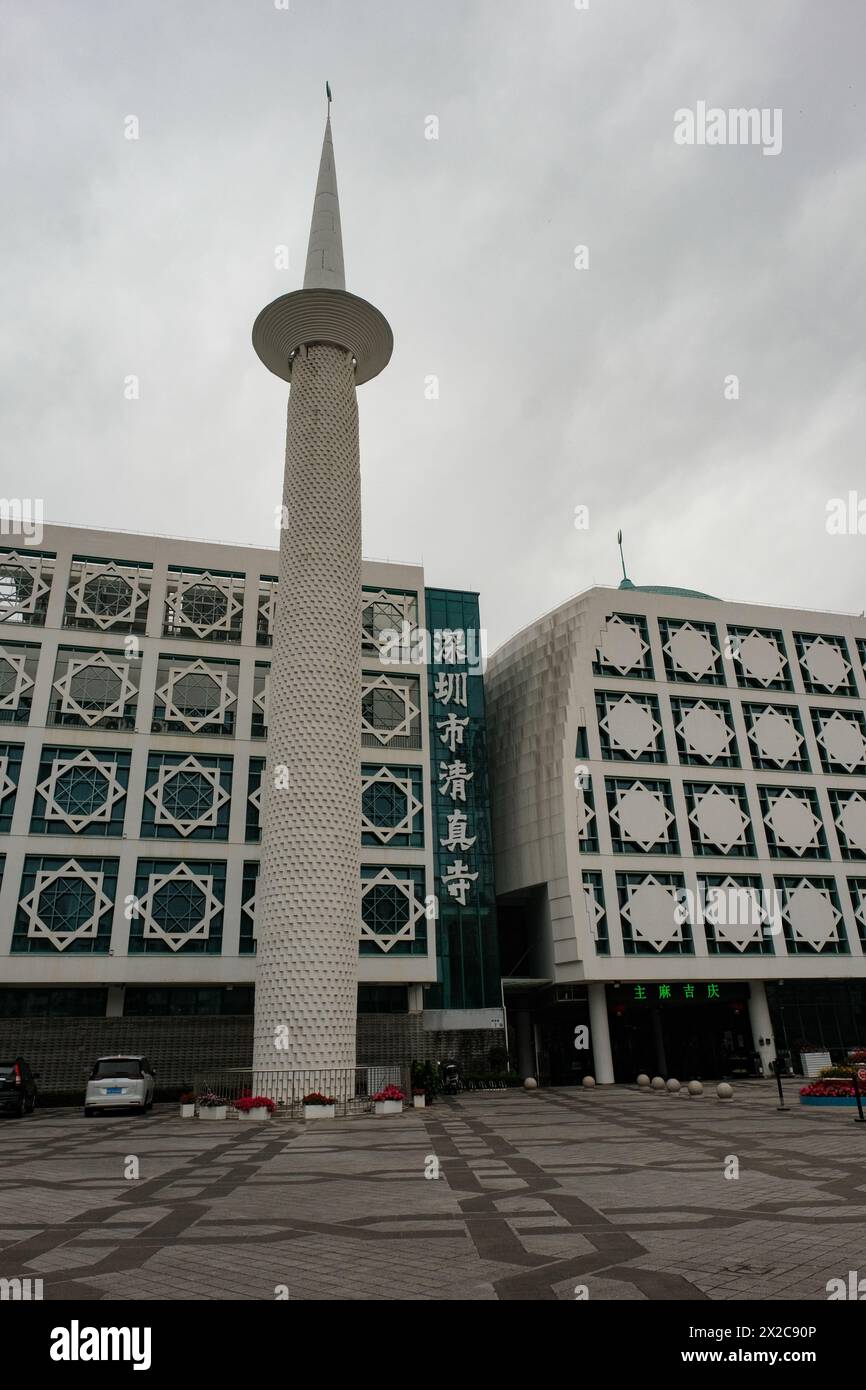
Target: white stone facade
<point>684,782</point>
<point>133,702</point>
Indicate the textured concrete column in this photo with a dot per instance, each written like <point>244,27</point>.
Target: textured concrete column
<point>308,906</point>
<point>762,1026</point>
<point>599,1034</point>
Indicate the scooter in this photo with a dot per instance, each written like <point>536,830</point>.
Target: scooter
<point>451,1082</point>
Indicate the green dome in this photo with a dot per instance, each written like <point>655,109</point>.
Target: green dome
<point>665,589</point>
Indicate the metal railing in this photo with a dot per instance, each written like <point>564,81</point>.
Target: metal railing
<point>352,1088</point>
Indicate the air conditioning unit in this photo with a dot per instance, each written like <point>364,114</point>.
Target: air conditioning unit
<point>157,727</point>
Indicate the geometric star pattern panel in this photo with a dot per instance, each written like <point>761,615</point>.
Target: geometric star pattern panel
<point>653,914</point>
<point>849,817</point>
<point>719,818</point>
<point>81,791</point>
<point>812,917</point>
<point>94,688</point>
<point>793,822</point>
<point>389,612</point>
<point>107,594</point>
<point>825,664</point>
<point>705,733</point>
<point>390,710</point>
<point>177,906</point>
<point>10,771</point>
<point>691,652</point>
<point>392,806</point>
<point>776,737</point>
<point>623,648</point>
<point>760,659</point>
<point>841,739</point>
<point>25,583</point>
<point>393,910</point>
<point>65,904</point>
<point>641,816</point>
<point>202,604</point>
<point>196,697</point>
<point>739,917</point>
<point>629,727</point>
<point>187,797</point>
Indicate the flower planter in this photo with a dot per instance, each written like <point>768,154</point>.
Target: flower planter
<point>258,1112</point>
<point>212,1112</point>
<point>320,1112</point>
<point>829,1100</point>
<point>419,1102</point>
<point>388,1107</point>
<point>187,1112</point>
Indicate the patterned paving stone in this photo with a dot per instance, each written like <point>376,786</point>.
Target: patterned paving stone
<point>539,1195</point>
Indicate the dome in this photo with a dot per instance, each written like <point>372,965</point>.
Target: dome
<point>665,589</point>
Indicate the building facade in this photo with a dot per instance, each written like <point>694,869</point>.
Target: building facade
<point>679,802</point>
<point>134,713</point>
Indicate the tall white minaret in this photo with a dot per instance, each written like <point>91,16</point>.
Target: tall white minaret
<point>325,341</point>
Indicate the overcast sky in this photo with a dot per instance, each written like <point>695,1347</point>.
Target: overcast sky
<point>558,387</point>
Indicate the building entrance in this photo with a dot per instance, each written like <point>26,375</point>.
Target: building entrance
<point>690,1039</point>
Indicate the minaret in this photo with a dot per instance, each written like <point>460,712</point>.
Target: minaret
<point>324,341</point>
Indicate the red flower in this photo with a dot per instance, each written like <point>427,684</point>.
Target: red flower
<point>255,1103</point>
<point>389,1093</point>
<point>317,1098</point>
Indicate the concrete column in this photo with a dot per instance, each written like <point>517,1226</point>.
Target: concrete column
<point>114,1002</point>
<point>762,1027</point>
<point>599,1035</point>
<point>525,1047</point>
<point>659,1041</point>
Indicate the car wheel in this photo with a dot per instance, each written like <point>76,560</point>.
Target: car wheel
<point>88,1112</point>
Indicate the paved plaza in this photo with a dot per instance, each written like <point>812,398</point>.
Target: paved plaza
<point>540,1194</point>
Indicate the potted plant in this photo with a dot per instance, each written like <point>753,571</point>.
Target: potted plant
<point>211,1106</point>
<point>388,1101</point>
<point>187,1104</point>
<point>319,1107</point>
<point>419,1098</point>
<point>255,1107</point>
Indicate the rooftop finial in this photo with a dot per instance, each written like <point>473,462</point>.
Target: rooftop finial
<point>626,582</point>
<point>328,95</point>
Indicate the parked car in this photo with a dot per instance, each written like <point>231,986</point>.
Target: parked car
<point>119,1082</point>
<point>17,1088</point>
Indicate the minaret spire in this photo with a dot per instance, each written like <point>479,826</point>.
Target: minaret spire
<point>324,311</point>
<point>325,250</point>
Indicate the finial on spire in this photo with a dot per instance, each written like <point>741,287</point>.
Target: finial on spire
<point>328,94</point>
<point>626,582</point>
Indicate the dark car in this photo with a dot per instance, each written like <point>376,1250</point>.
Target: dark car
<point>17,1088</point>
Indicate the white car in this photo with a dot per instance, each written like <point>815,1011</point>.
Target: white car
<point>116,1082</point>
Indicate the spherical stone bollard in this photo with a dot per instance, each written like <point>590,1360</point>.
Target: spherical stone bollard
<point>530,1084</point>
<point>589,1082</point>
<point>643,1080</point>
<point>684,1092</point>
<point>673,1084</point>
<point>695,1088</point>
<point>658,1083</point>
<point>724,1091</point>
